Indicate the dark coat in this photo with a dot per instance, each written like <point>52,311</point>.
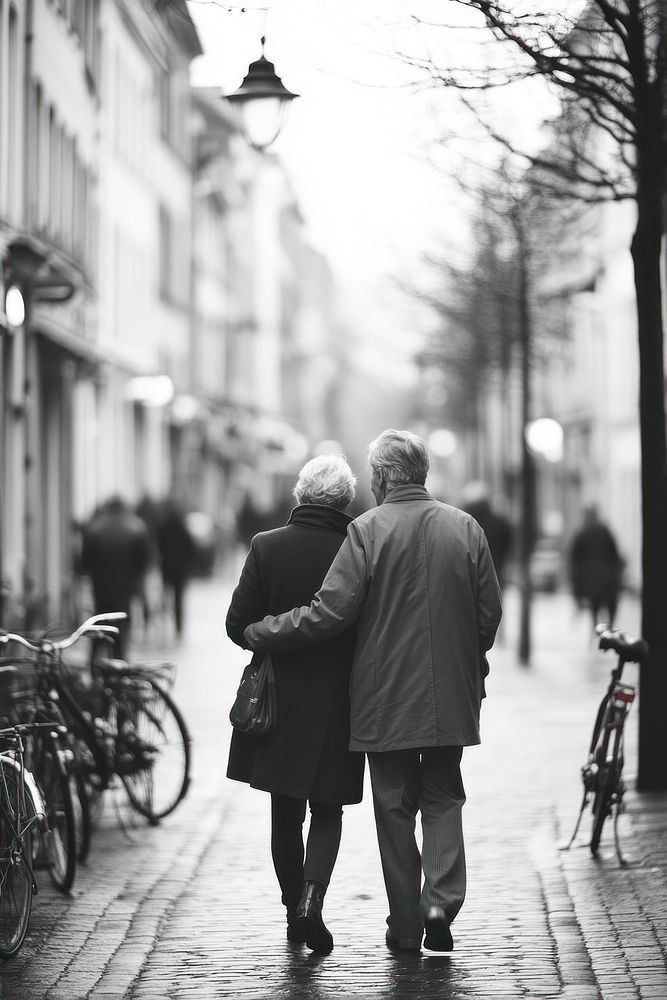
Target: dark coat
<point>498,531</point>
<point>175,545</point>
<point>596,566</point>
<point>307,756</point>
<point>115,554</point>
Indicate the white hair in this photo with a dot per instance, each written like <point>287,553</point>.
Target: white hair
<point>327,479</point>
<point>400,457</point>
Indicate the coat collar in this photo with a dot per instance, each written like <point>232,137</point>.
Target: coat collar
<point>411,491</point>
<point>318,515</point>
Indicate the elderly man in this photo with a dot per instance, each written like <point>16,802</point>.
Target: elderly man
<point>418,578</point>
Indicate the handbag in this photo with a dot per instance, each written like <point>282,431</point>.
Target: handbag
<point>254,709</point>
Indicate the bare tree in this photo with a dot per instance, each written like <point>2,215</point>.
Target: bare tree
<point>608,63</point>
<point>486,331</point>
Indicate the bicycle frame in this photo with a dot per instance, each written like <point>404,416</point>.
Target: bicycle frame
<point>24,818</point>
<point>601,774</point>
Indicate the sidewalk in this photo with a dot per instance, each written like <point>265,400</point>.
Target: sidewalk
<point>191,909</point>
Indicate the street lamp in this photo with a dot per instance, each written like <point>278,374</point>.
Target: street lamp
<point>544,437</point>
<point>443,443</point>
<point>14,307</point>
<point>263,102</point>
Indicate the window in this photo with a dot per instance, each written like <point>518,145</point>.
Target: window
<point>13,91</point>
<point>78,19</point>
<point>51,179</point>
<point>165,250</point>
<point>91,40</point>
<point>44,121</point>
<point>67,194</point>
<point>34,152</point>
<point>165,104</point>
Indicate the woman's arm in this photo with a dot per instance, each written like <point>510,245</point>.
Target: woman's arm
<point>248,603</point>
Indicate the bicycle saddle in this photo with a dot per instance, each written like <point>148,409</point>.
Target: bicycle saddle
<point>631,648</point>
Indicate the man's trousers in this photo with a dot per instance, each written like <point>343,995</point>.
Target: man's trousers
<point>428,781</point>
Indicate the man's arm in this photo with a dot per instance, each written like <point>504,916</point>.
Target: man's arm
<point>334,608</point>
<point>489,603</point>
<point>248,602</point>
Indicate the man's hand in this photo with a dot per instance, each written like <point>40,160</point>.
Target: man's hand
<point>251,638</point>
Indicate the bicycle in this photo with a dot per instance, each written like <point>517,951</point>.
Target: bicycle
<point>49,752</point>
<point>125,725</point>
<point>602,774</point>
<point>21,810</point>
<point>147,739</point>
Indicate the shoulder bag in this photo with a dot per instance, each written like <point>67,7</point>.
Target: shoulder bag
<point>254,710</point>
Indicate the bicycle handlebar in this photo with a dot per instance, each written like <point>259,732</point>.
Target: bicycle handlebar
<point>631,648</point>
<point>29,727</point>
<point>94,624</point>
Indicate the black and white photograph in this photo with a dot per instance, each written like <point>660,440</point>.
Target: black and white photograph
<point>333,500</point>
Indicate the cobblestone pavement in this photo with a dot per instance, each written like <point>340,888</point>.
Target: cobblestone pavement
<point>191,908</point>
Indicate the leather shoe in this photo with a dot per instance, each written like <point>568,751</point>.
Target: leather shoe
<point>402,944</point>
<point>438,934</point>
<point>294,933</point>
<point>309,919</point>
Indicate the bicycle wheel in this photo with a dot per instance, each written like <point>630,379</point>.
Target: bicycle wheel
<point>608,781</point>
<point>153,748</point>
<point>82,819</point>
<point>54,781</point>
<point>15,872</point>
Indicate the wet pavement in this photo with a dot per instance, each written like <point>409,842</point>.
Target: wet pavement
<point>191,908</point>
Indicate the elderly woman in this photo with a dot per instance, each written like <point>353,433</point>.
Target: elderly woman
<point>306,759</point>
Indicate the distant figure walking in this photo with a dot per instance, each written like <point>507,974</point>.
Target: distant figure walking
<point>176,548</point>
<point>496,526</point>
<point>596,567</point>
<point>149,511</point>
<point>115,554</point>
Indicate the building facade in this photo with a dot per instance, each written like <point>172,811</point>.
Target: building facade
<point>94,113</point>
<point>176,323</point>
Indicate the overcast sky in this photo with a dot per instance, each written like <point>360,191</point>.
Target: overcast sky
<point>360,141</point>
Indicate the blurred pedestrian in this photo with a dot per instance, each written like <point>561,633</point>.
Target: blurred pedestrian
<point>247,520</point>
<point>496,526</point>
<point>176,549</point>
<point>115,553</point>
<point>307,758</point>
<point>596,567</point>
<point>417,577</point>
<point>148,510</point>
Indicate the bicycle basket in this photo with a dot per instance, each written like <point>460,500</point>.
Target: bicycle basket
<point>18,694</point>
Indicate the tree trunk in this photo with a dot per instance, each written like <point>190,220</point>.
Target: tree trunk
<point>526,508</point>
<point>646,247</point>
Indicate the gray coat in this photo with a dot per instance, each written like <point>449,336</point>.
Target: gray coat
<point>418,578</point>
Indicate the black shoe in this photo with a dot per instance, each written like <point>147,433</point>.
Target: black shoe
<point>438,934</point>
<point>402,944</point>
<point>294,933</point>
<point>309,919</point>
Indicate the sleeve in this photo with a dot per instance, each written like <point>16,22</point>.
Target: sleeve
<point>334,608</point>
<point>489,603</point>
<point>87,553</point>
<point>248,602</point>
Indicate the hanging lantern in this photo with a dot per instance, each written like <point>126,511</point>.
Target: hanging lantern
<point>263,102</point>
